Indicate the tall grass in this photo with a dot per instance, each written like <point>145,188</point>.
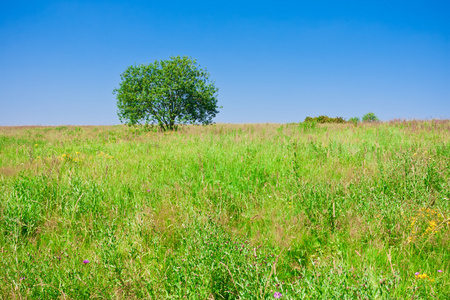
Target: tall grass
<point>226,212</point>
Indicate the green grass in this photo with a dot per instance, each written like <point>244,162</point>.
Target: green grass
<point>226,212</point>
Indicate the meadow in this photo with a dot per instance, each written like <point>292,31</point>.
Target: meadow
<point>251,211</point>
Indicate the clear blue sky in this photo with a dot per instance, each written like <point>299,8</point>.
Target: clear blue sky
<point>273,61</point>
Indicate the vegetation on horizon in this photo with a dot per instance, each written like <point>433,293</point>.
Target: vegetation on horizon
<point>252,211</point>
<point>325,119</point>
<point>370,117</point>
<point>322,119</point>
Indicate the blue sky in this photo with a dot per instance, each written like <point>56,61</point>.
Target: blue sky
<point>273,61</point>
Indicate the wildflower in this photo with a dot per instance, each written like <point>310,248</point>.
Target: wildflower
<point>277,295</point>
<point>35,145</point>
<point>439,271</point>
<point>417,273</point>
<point>85,261</point>
<point>421,276</point>
<point>148,191</point>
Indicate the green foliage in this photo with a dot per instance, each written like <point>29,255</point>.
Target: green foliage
<point>167,92</point>
<point>370,117</point>
<point>354,120</point>
<point>325,119</point>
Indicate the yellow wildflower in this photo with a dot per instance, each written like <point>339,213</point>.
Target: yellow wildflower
<point>421,276</point>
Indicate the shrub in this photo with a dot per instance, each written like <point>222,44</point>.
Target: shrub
<point>354,120</point>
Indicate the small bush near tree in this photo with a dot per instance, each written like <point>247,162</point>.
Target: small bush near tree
<point>354,120</point>
<point>370,117</point>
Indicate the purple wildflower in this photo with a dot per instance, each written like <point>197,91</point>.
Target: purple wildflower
<point>277,295</point>
<point>440,271</point>
<point>85,261</point>
<point>148,191</point>
<point>417,274</point>
<point>22,278</point>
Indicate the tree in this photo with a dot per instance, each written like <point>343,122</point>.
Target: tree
<point>370,117</point>
<point>166,92</point>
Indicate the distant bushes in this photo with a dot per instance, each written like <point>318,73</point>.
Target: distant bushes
<point>325,119</point>
<point>369,117</point>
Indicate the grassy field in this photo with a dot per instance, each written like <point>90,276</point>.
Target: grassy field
<point>226,212</point>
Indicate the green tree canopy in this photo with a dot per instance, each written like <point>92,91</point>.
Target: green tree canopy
<point>370,117</point>
<point>167,92</point>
